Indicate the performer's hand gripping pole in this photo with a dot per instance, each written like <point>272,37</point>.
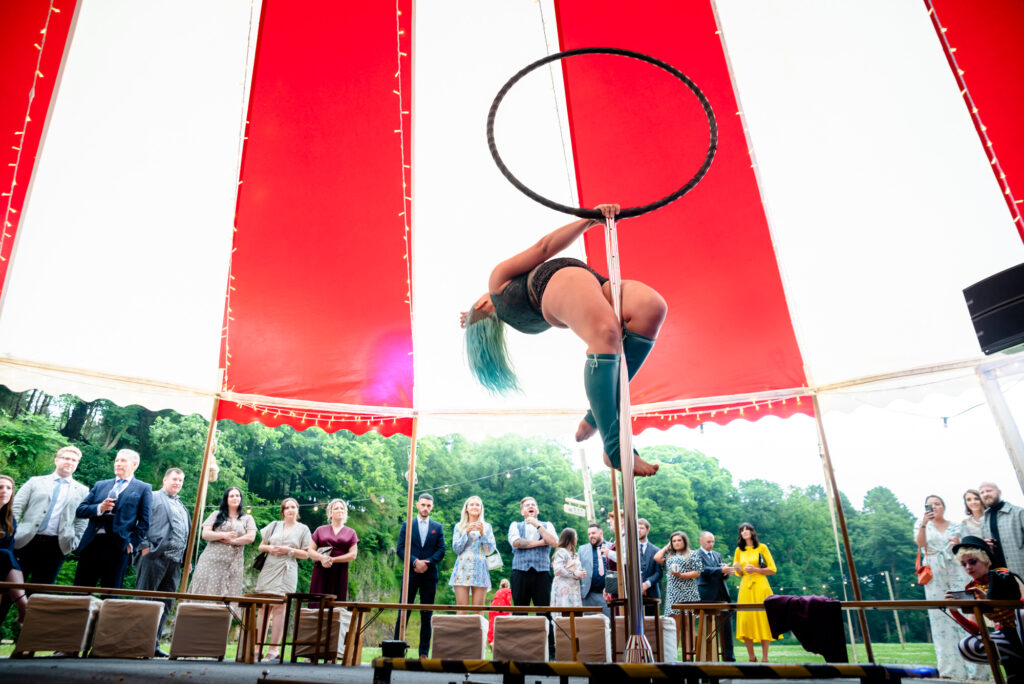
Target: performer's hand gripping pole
<point>637,650</point>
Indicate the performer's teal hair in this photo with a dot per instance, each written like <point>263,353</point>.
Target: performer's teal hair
<point>487,353</point>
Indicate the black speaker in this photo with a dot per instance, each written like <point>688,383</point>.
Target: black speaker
<point>996,305</point>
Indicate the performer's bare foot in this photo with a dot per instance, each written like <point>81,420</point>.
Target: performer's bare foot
<point>585,431</point>
<point>641,468</point>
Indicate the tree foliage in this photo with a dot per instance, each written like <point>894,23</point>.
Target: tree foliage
<point>692,492</point>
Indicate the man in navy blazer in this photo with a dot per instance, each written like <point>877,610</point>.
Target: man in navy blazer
<point>425,556</point>
<point>118,515</point>
<point>650,571</point>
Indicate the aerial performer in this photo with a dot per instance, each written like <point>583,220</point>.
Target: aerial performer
<point>535,290</point>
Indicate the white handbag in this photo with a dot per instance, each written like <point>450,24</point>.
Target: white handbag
<point>494,561</point>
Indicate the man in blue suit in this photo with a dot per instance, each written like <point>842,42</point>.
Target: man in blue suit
<point>118,515</point>
<point>425,556</point>
<point>712,587</point>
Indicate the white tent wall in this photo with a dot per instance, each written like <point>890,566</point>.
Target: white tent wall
<point>468,217</point>
<point>121,261</point>
<point>881,201</point>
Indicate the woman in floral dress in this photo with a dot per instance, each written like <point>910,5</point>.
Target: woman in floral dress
<point>472,542</point>
<point>220,569</point>
<point>683,567</point>
<point>565,565</point>
<point>935,536</point>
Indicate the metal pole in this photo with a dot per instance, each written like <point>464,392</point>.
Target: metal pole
<point>839,559</point>
<point>896,613</point>
<point>1004,419</point>
<point>848,548</point>
<point>588,494</point>
<point>403,616</point>
<point>197,513</point>
<point>638,649</point>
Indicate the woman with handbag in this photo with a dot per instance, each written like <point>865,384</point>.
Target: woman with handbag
<point>935,537</point>
<point>220,568</point>
<point>284,541</point>
<point>333,548</point>
<point>753,562</point>
<point>472,542</point>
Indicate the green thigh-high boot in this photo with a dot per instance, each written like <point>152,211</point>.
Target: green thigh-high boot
<point>601,380</point>
<point>636,348</point>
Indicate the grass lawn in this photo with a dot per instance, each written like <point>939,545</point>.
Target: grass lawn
<point>887,654</point>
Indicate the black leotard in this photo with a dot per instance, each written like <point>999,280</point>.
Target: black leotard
<point>519,304</point>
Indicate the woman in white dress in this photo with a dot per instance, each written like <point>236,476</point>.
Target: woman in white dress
<point>935,536</point>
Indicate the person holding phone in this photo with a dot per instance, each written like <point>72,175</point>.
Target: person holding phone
<point>935,536</point>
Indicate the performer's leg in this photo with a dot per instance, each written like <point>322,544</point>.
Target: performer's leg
<point>635,348</point>
<point>574,299</point>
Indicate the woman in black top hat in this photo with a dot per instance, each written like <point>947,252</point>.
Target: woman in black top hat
<point>987,582</point>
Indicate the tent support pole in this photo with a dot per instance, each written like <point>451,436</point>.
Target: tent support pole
<point>638,649</point>
<point>197,512</point>
<point>854,579</point>
<point>1004,419</point>
<point>403,616</point>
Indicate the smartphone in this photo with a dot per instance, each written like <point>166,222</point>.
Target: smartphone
<point>962,595</point>
<point>927,508</point>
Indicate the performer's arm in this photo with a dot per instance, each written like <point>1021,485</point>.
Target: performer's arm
<point>545,248</point>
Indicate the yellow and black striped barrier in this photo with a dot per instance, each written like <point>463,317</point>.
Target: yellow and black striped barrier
<point>514,671</point>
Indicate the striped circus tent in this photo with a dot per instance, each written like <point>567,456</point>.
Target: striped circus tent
<point>274,211</point>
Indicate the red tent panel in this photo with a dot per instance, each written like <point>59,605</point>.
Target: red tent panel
<point>33,35</point>
<point>985,41</point>
<point>709,254</point>
<point>319,308</point>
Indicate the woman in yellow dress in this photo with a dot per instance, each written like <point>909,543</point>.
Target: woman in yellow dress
<point>753,562</point>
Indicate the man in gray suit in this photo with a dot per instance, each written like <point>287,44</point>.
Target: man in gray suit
<point>593,560</point>
<point>47,526</point>
<point>162,552</point>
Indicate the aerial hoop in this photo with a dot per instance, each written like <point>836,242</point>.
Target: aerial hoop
<point>593,213</point>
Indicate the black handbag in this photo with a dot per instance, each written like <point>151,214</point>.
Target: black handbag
<point>761,563</point>
<point>261,557</point>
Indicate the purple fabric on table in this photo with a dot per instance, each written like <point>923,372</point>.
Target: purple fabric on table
<point>816,622</point>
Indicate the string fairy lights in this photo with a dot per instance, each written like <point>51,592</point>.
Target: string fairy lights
<point>697,416</point>
<point>315,504</point>
<point>243,135</point>
<point>958,73</point>
<point>325,417</point>
<point>10,211</point>
<point>405,167</point>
